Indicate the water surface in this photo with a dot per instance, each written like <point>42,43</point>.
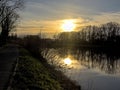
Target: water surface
<point>93,69</point>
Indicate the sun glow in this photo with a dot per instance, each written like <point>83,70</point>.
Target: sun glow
<point>68,25</point>
<point>67,61</point>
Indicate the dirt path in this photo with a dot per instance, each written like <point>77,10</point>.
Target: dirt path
<point>8,55</point>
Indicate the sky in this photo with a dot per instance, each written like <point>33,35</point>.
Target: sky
<point>47,16</point>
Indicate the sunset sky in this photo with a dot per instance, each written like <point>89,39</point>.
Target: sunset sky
<point>48,15</point>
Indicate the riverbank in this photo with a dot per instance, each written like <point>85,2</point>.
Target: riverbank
<point>36,74</point>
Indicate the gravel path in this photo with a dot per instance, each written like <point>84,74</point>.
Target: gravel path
<point>8,55</point>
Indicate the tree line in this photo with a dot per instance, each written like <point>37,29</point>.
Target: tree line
<point>103,35</point>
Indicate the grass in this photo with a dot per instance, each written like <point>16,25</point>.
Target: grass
<point>32,75</point>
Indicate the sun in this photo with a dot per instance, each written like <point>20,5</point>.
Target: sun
<point>68,26</point>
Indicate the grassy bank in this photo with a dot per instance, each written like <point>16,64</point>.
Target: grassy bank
<point>32,74</point>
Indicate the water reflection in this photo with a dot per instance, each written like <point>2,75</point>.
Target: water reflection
<point>105,61</point>
<point>68,61</point>
<point>93,69</point>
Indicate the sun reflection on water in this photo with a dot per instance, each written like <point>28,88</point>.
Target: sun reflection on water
<point>71,63</point>
<point>68,61</point>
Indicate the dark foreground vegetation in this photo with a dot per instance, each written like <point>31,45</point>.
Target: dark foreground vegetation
<point>34,74</point>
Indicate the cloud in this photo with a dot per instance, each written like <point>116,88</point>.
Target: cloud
<point>48,14</point>
<point>105,17</point>
<point>54,25</point>
<point>55,9</point>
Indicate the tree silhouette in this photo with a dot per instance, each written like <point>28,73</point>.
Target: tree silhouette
<point>103,35</point>
<point>8,16</point>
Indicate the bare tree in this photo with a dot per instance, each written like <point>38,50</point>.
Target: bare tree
<point>8,16</point>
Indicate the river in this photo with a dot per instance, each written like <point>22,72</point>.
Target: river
<point>92,69</point>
